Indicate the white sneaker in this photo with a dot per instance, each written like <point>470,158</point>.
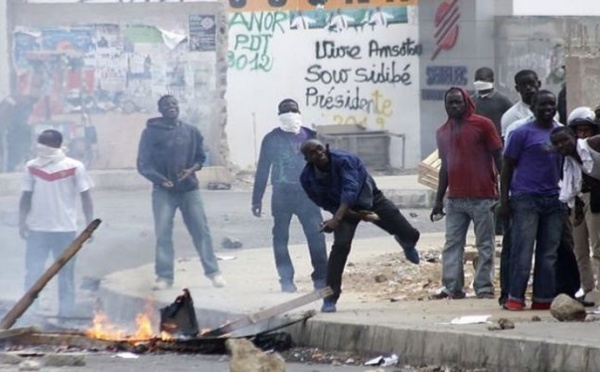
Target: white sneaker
<point>218,281</point>
<point>161,284</point>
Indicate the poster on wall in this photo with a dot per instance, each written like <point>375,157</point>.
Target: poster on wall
<point>295,5</point>
<point>202,33</point>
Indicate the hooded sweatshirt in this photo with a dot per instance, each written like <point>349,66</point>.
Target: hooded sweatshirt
<point>166,149</point>
<point>467,149</point>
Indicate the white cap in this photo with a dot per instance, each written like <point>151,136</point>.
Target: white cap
<point>580,115</point>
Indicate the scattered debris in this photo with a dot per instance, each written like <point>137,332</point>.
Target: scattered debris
<point>218,186</point>
<point>63,360</point>
<point>536,318</point>
<point>221,257</point>
<point>382,361</point>
<point>247,357</point>
<point>470,319</point>
<point>413,214</point>
<point>502,324</point>
<point>380,278</point>
<point>29,365</point>
<point>592,318</point>
<point>231,243</point>
<point>126,355</point>
<point>397,298</point>
<point>566,309</point>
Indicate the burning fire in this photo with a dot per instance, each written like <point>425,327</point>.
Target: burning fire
<point>104,329</point>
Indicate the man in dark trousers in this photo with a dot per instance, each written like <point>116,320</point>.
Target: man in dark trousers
<point>338,182</point>
<point>489,102</point>
<point>471,151</point>
<point>170,154</point>
<point>280,155</point>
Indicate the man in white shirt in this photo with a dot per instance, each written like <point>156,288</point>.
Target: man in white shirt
<point>301,21</point>
<point>527,84</point>
<point>339,21</point>
<point>379,18</point>
<point>48,212</point>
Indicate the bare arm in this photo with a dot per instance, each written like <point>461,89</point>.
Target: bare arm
<point>24,209</point>
<point>88,206</point>
<point>498,160</point>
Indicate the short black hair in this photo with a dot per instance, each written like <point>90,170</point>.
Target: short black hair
<point>485,71</point>
<point>165,97</point>
<point>521,74</point>
<point>541,93</point>
<point>561,129</point>
<point>286,101</point>
<point>51,137</point>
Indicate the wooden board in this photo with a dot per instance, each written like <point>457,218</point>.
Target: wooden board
<point>429,170</point>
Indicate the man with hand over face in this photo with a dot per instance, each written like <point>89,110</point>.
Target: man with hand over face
<point>280,155</point>
<point>170,154</point>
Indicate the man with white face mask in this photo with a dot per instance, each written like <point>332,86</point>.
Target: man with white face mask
<point>280,155</point>
<point>48,212</point>
<point>489,103</point>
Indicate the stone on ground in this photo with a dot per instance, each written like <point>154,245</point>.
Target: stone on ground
<point>566,309</point>
<point>64,360</point>
<point>245,357</point>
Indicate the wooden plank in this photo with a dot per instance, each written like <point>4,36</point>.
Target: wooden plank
<point>263,315</point>
<point>11,333</point>
<point>29,297</point>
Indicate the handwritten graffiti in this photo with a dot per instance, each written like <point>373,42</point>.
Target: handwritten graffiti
<point>380,73</point>
<point>350,99</point>
<point>328,49</point>
<point>382,111</point>
<point>252,34</point>
<point>267,5</point>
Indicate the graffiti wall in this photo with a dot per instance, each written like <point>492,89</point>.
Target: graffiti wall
<point>354,63</point>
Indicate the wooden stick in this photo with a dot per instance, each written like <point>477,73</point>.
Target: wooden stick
<point>29,297</point>
<point>17,332</point>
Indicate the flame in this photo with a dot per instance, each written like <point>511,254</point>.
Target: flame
<point>103,329</point>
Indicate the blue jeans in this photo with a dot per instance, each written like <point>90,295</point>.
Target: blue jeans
<point>284,204</point>
<point>536,220</point>
<point>39,246</point>
<point>164,205</point>
<point>459,214</point>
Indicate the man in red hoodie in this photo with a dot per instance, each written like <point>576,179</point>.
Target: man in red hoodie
<point>470,150</point>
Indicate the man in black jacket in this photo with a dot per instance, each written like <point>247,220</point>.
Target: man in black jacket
<point>170,154</point>
<point>280,155</point>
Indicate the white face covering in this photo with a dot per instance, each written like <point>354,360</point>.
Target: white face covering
<point>47,155</point>
<point>290,122</point>
<point>483,85</point>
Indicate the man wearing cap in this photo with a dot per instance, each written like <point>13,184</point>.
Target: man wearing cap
<point>581,191</point>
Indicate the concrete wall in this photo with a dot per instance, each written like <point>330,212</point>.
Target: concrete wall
<point>210,106</point>
<point>269,61</point>
<point>555,7</point>
<point>453,48</point>
<point>4,56</point>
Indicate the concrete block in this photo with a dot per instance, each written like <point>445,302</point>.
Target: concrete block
<point>365,342</point>
<point>10,358</point>
<point>349,336</point>
<point>331,341</point>
<point>63,360</point>
<point>381,340</point>
<point>29,365</point>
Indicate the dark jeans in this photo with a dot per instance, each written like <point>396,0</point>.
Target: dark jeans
<point>391,221</point>
<point>285,203</point>
<point>536,221</point>
<point>505,258</point>
<point>567,270</point>
<point>164,206</point>
<point>40,245</point>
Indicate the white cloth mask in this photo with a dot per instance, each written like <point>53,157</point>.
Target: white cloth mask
<point>483,85</point>
<point>47,155</point>
<point>290,122</point>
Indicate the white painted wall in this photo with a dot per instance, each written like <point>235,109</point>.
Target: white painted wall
<point>556,7</point>
<point>253,96</point>
<point>4,57</point>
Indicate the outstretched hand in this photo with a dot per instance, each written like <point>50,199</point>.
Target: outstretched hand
<point>257,209</point>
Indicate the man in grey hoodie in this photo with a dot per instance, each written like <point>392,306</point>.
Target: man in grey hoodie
<point>170,153</point>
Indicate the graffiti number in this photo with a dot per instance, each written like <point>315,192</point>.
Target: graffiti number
<point>236,4</point>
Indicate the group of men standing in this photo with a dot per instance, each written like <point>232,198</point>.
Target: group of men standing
<point>488,144</point>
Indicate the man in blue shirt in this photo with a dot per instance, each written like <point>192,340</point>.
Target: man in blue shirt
<point>280,156</point>
<point>338,182</point>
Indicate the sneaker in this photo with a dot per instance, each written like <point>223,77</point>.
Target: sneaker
<point>289,288</point>
<point>540,306</point>
<point>442,294</point>
<point>513,305</point>
<point>328,307</point>
<point>162,284</point>
<point>584,302</point>
<point>485,296</point>
<point>218,281</point>
<point>410,252</point>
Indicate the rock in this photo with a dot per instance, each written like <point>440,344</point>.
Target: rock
<point>380,278</point>
<point>64,360</point>
<point>231,243</point>
<point>506,323</point>
<point>470,256</point>
<point>29,365</point>
<point>566,309</point>
<point>218,186</point>
<point>536,318</point>
<point>245,357</point>
<point>592,318</point>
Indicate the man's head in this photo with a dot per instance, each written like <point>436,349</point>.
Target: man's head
<point>564,140</point>
<point>484,74</point>
<point>583,122</point>
<point>288,105</point>
<point>456,104</point>
<point>168,107</point>
<point>543,105</point>
<point>527,84</point>
<point>315,153</point>
<point>50,138</point>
